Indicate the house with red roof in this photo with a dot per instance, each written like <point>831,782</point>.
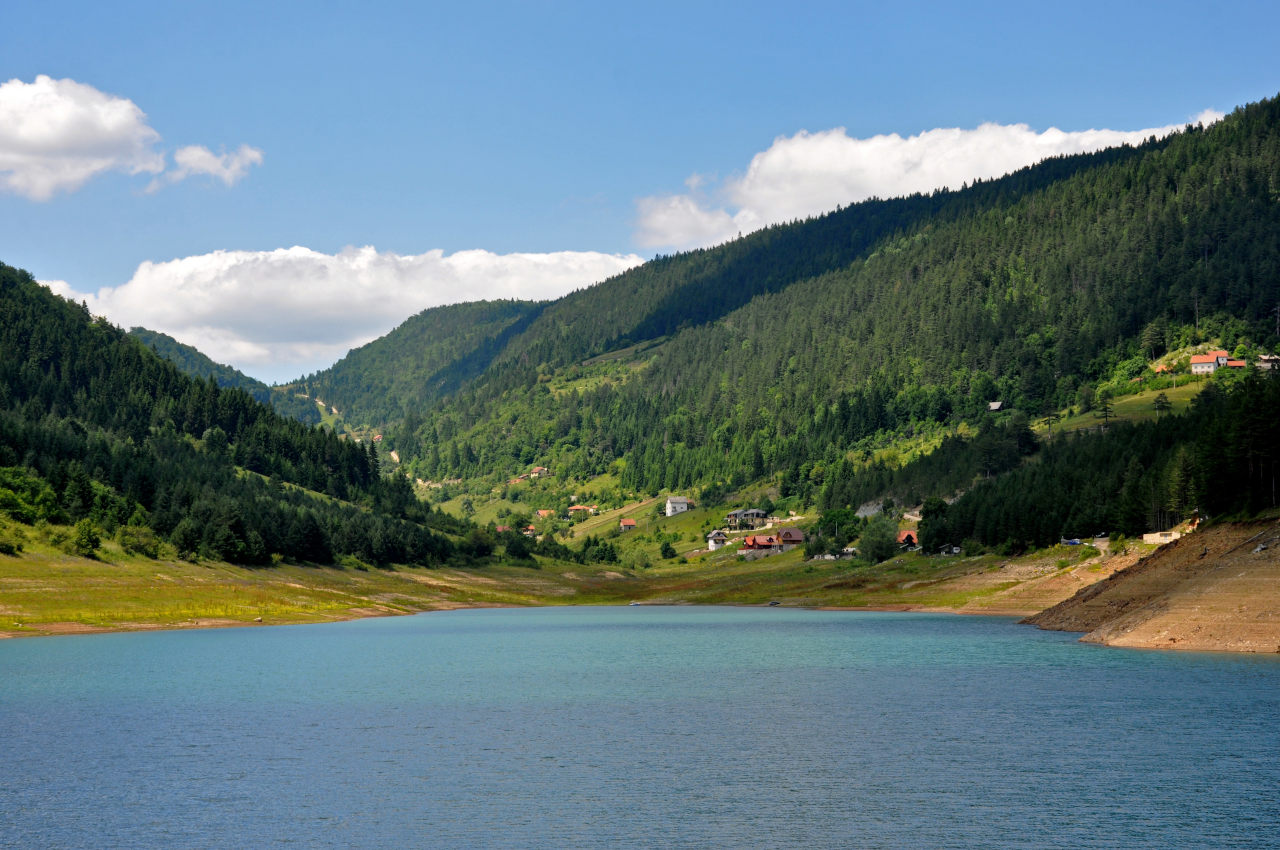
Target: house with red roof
<point>627,524</point>
<point>1209,362</point>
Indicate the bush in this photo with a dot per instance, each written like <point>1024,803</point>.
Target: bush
<point>84,539</point>
<point>138,540</point>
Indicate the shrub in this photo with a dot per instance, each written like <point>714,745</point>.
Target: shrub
<point>84,539</point>
<point>138,540</point>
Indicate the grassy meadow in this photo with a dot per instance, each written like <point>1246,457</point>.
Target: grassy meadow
<point>43,590</point>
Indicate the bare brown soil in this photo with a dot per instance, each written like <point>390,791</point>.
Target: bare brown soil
<point>1216,589</point>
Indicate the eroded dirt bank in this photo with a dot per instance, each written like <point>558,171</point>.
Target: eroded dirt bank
<point>1216,589</point>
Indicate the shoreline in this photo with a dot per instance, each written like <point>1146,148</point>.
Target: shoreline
<point>1215,591</point>
<point>57,630</point>
<point>71,629</point>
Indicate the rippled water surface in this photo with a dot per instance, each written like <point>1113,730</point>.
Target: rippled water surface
<point>634,727</point>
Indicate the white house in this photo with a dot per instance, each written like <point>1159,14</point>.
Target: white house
<point>677,505</point>
<point>717,540</point>
<point>1208,363</point>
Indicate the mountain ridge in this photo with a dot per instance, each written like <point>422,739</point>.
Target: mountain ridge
<point>1034,289</point>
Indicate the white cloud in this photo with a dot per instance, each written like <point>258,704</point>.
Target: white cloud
<point>811,173</point>
<point>280,314</point>
<point>230,168</point>
<point>55,135</point>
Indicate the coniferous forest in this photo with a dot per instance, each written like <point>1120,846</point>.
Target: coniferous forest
<point>790,351</point>
<point>788,356</point>
<point>95,426</point>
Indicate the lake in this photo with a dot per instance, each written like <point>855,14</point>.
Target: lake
<point>634,727</point>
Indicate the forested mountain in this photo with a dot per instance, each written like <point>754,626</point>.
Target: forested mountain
<point>787,356</point>
<point>788,349</point>
<point>1222,458</point>
<point>198,365</point>
<point>95,428</point>
<point>429,355</point>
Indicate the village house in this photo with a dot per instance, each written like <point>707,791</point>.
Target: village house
<point>538,471</point>
<point>530,531</point>
<point>761,541</point>
<point>546,513</point>
<point>677,505</point>
<point>627,524</point>
<point>746,518</point>
<point>717,540</point>
<point>1268,362</point>
<point>577,509</point>
<point>1161,537</point>
<point>1209,362</point>
<point>790,538</point>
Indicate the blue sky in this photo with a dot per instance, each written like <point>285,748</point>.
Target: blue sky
<point>534,148</point>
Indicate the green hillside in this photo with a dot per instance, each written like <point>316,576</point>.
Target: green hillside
<point>796,349</point>
<point>429,355</point>
<point>895,349</point>
<point>198,365</point>
<point>101,438</point>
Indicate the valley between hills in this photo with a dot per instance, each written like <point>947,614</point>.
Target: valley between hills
<point>975,401</point>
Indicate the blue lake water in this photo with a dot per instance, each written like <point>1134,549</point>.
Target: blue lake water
<point>634,727</point>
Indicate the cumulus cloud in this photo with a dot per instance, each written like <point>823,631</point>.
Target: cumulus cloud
<point>55,135</point>
<point>811,173</point>
<point>280,314</point>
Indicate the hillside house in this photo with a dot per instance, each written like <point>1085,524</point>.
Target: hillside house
<point>580,509</point>
<point>530,531</point>
<point>761,541</point>
<point>746,518</point>
<point>1209,362</point>
<point>717,540</point>
<point>1268,362</point>
<point>995,406</point>
<point>677,505</point>
<point>627,524</point>
<point>1161,537</point>
<point>790,538</point>
<point>546,513</point>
